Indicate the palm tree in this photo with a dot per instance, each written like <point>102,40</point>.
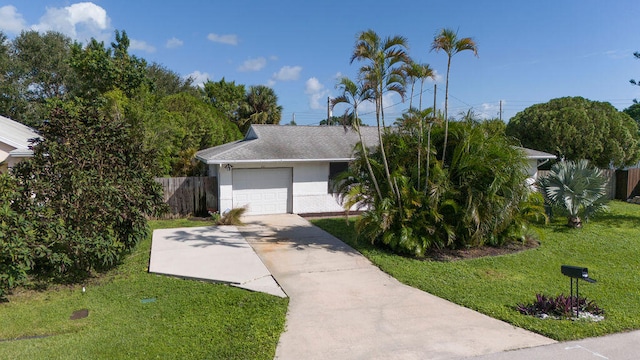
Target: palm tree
<point>260,107</point>
<point>383,72</point>
<point>353,95</point>
<point>575,187</point>
<point>448,41</point>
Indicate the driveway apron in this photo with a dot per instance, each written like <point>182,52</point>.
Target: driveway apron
<point>343,307</point>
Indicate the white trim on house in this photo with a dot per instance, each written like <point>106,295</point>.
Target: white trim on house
<point>308,151</point>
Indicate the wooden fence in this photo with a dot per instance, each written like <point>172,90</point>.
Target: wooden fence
<point>190,195</point>
<point>627,183</point>
<point>623,184</point>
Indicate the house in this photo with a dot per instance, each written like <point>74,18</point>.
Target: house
<point>288,169</point>
<point>14,142</point>
<point>535,159</point>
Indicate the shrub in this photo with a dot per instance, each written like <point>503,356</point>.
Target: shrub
<point>575,188</point>
<point>90,185</point>
<point>16,235</point>
<point>473,200</point>
<point>560,306</point>
<point>232,217</point>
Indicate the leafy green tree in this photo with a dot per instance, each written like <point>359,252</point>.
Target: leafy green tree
<point>12,103</point>
<point>100,69</point>
<point>260,107</point>
<point>576,188</point>
<point>17,237</point>
<point>447,40</point>
<point>226,97</point>
<point>38,70</point>
<point>90,185</point>
<point>634,112</point>
<point>577,128</point>
<point>383,71</point>
<point>192,125</point>
<point>167,82</point>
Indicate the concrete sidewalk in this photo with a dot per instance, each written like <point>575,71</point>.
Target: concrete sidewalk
<point>343,307</point>
<point>623,346</point>
<point>214,253</point>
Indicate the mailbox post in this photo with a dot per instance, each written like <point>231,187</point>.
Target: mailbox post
<point>576,272</point>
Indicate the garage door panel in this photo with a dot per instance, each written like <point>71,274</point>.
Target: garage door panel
<point>262,191</point>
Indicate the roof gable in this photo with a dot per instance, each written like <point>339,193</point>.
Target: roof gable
<point>16,134</point>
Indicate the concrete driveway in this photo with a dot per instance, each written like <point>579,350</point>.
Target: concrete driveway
<point>213,253</point>
<point>343,307</point>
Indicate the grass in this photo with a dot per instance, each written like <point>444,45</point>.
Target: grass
<point>609,246</point>
<point>134,314</point>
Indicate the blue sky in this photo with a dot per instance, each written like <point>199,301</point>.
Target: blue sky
<point>529,52</point>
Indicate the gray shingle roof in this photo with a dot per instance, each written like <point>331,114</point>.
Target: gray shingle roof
<point>271,143</point>
<point>15,134</point>
<point>266,143</point>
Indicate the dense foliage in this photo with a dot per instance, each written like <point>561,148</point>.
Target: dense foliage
<point>576,128</point>
<point>475,200</point>
<point>17,237</point>
<point>86,192</point>
<point>178,118</point>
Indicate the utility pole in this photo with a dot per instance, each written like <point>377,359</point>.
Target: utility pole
<point>500,110</point>
<point>328,110</point>
<point>435,88</point>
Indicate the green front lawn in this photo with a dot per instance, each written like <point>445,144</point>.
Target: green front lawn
<point>609,246</point>
<point>134,314</point>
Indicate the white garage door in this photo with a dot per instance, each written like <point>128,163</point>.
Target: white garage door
<point>262,191</point>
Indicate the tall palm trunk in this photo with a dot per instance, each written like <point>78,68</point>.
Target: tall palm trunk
<point>446,115</point>
<point>365,152</point>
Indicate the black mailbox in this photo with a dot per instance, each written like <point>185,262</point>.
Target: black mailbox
<point>576,272</point>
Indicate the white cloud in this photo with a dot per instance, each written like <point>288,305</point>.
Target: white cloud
<point>199,78</point>
<point>288,73</point>
<point>229,39</point>
<point>316,92</point>
<point>80,21</point>
<point>174,43</point>
<point>141,45</point>
<point>11,20</point>
<point>437,77</point>
<point>253,64</point>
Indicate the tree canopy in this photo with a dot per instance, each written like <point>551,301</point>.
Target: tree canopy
<point>576,128</point>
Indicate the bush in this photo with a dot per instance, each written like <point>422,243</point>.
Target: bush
<point>232,217</point>
<point>561,306</point>
<point>473,200</point>
<point>16,235</point>
<point>89,184</point>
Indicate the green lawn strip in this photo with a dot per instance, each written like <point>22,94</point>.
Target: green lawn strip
<point>609,246</point>
<point>177,319</point>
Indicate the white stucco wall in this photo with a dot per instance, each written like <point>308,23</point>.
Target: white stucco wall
<point>309,189</point>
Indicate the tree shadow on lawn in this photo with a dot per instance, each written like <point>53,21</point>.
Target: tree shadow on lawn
<point>617,220</point>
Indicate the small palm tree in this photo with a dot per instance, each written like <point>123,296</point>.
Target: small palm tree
<point>575,187</point>
<point>353,95</point>
<point>260,107</point>
<point>382,71</point>
<point>448,41</point>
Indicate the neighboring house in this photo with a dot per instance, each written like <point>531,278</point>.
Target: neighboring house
<point>14,142</point>
<point>288,169</point>
<point>535,159</point>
